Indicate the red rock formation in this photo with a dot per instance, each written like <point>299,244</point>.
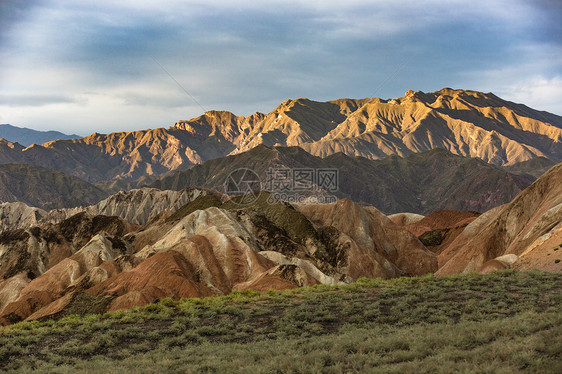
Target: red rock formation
<point>165,274</point>
<point>527,227</point>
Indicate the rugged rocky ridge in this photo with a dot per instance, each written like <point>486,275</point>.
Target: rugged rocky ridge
<point>419,183</point>
<point>370,230</point>
<point>19,215</point>
<point>438,229</point>
<point>466,123</point>
<point>206,247</point>
<point>137,206</point>
<point>26,255</point>
<point>523,234</point>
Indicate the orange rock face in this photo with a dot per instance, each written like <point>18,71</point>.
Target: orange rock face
<point>377,246</point>
<point>466,123</point>
<point>524,228</point>
<point>166,274</point>
<point>438,229</point>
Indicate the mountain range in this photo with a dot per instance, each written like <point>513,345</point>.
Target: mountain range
<point>27,137</point>
<point>466,123</point>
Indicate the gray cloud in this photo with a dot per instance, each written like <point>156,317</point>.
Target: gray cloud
<point>36,100</point>
<point>13,11</point>
<point>242,56</point>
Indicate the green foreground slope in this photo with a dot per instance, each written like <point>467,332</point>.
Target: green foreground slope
<point>501,322</point>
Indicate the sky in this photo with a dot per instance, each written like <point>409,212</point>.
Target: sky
<point>106,66</point>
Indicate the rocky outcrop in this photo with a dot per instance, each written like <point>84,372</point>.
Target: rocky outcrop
<point>206,247</point>
<point>19,215</point>
<point>441,219</point>
<point>368,233</point>
<point>529,227</point>
<point>56,281</point>
<point>137,206</point>
<point>438,229</point>
<point>403,219</point>
<point>10,289</point>
<point>26,255</point>
<point>166,274</point>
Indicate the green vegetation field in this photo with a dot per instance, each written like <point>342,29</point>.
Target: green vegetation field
<point>504,322</point>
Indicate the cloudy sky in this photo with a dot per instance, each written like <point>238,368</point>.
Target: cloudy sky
<point>85,66</point>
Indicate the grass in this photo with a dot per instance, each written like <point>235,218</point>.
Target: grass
<point>502,322</point>
<point>433,238</point>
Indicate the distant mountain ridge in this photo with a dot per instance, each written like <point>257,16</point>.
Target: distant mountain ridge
<point>27,137</point>
<point>466,123</point>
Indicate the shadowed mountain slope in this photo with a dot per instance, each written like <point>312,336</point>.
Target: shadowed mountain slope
<point>419,183</point>
<point>534,167</point>
<point>45,188</point>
